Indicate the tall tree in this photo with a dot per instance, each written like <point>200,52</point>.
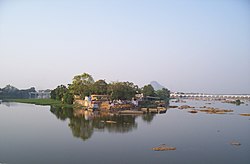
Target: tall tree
<point>59,92</point>
<point>148,90</point>
<point>164,93</point>
<point>68,98</point>
<point>122,90</point>
<point>99,87</point>
<point>81,85</point>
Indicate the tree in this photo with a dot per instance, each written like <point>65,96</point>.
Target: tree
<point>122,90</point>
<point>164,93</point>
<point>237,102</point>
<point>11,92</point>
<point>85,79</point>
<point>68,98</point>
<point>99,87</point>
<point>81,85</point>
<point>148,90</point>
<point>59,92</point>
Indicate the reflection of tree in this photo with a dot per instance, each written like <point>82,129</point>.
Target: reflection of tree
<point>123,123</point>
<point>167,103</point>
<point>81,128</point>
<point>62,114</point>
<point>83,123</point>
<point>148,117</point>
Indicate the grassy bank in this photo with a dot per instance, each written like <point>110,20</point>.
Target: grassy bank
<point>51,102</point>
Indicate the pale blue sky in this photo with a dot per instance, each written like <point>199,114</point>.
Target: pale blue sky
<point>186,45</point>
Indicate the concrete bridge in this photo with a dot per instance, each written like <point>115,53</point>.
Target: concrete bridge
<point>202,95</point>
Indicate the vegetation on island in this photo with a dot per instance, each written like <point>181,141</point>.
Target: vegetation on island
<point>84,85</point>
<point>238,102</point>
<point>232,101</point>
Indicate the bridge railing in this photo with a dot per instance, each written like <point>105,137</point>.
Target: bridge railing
<point>208,96</point>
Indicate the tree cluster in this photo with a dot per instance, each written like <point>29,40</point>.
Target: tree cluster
<point>84,85</point>
<point>11,92</point>
<point>122,90</point>
<point>62,93</point>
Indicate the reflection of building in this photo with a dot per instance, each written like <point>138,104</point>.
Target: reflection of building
<point>41,94</point>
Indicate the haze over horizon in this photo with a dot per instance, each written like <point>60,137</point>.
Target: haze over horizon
<point>189,46</point>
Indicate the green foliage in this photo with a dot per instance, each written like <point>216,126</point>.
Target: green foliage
<point>62,93</point>
<point>84,85</point>
<point>100,87</point>
<point>68,98</point>
<point>10,92</point>
<point>163,94</point>
<point>148,90</point>
<point>51,102</point>
<point>81,85</point>
<point>122,90</point>
<point>237,102</point>
<point>59,92</point>
<point>147,104</point>
<point>83,79</point>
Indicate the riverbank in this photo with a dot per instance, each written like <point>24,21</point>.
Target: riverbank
<point>51,102</point>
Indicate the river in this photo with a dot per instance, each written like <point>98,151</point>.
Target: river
<point>40,134</point>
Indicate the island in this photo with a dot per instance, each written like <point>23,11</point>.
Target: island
<point>84,93</point>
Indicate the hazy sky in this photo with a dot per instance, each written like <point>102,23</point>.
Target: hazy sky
<point>186,45</point>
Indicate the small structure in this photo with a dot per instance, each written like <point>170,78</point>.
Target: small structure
<point>139,96</point>
<point>78,100</point>
<point>99,102</point>
<point>41,94</point>
<point>99,97</point>
<point>93,101</point>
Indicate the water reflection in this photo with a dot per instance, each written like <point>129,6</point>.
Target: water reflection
<point>62,114</point>
<point>8,104</point>
<point>148,117</point>
<point>83,123</point>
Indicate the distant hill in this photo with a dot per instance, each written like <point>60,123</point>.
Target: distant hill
<point>156,85</point>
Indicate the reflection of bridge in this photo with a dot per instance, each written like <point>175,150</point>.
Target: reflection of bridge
<point>202,95</point>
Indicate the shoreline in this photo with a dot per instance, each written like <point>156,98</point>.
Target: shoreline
<point>43,102</point>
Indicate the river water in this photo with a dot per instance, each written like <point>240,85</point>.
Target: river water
<point>41,134</point>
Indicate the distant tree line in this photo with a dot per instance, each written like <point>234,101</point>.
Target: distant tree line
<point>11,92</point>
<point>84,85</point>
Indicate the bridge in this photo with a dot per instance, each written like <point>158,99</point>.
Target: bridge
<point>215,96</point>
